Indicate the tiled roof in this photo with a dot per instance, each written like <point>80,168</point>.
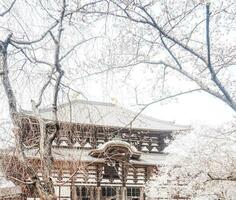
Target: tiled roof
<point>99,152</point>
<point>108,114</point>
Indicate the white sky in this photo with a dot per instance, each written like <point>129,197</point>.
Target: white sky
<point>191,108</point>
<point>197,107</point>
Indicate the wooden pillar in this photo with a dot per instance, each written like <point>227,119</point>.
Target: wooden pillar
<point>73,187</point>
<point>73,193</point>
<point>142,193</point>
<point>123,193</point>
<point>98,179</point>
<point>91,190</point>
<point>125,170</point>
<point>98,193</point>
<point>117,193</point>
<point>149,173</point>
<point>80,192</point>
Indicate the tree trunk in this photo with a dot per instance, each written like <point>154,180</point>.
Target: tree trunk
<point>45,188</point>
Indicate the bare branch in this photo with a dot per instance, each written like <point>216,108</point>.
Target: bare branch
<point>57,64</point>
<point>201,84</point>
<point>22,42</point>
<point>212,178</point>
<point>74,47</point>
<point>214,77</point>
<point>43,89</point>
<point>8,10</point>
<point>162,99</point>
<point>171,53</point>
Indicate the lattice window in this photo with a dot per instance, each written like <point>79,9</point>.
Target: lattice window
<point>83,193</point>
<point>133,192</point>
<point>108,192</point>
<point>111,171</point>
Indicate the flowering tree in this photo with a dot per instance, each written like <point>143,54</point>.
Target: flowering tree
<point>201,165</point>
<point>35,46</point>
<point>38,46</point>
<point>193,40</point>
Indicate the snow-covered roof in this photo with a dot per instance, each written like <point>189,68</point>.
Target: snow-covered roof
<point>74,155</point>
<point>4,183</point>
<point>134,153</point>
<point>108,114</point>
<point>7,188</point>
<point>117,143</point>
<point>10,192</point>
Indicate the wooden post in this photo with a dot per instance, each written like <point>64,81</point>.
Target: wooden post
<point>117,193</point>
<point>123,193</point>
<point>91,189</point>
<point>149,173</point>
<point>74,192</point>
<point>98,193</point>
<point>73,187</point>
<point>80,192</point>
<point>142,193</point>
<point>125,169</point>
<point>98,179</point>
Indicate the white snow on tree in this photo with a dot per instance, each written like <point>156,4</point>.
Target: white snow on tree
<point>201,165</point>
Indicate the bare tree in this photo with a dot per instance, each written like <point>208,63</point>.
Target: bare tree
<point>61,15</point>
<point>43,52</point>
<point>182,38</point>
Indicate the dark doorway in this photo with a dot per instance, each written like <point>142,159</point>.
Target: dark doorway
<point>109,193</point>
<point>133,193</point>
<point>83,193</point>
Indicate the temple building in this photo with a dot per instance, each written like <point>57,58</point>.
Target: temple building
<point>103,151</point>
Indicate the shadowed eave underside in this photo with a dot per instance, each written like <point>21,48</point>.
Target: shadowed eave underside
<point>82,155</point>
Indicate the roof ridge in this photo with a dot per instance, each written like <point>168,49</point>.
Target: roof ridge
<point>93,102</point>
<point>74,101</point>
